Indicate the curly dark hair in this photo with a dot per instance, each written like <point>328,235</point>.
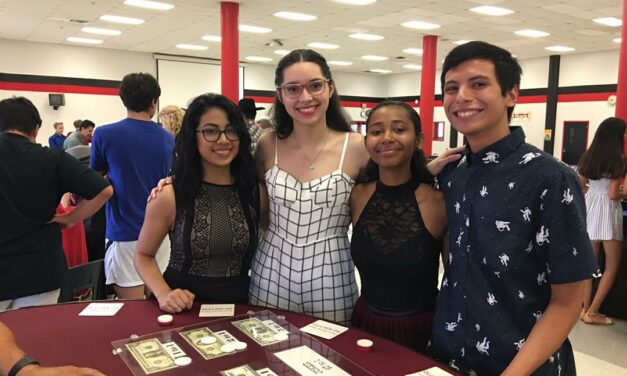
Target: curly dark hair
<point>187,166</point>
<point>418,160</point>
<point>138,90</point>
<point>336,117</point>
<point>604,158</point>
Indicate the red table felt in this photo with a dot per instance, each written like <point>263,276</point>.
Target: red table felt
<point>56,335</point>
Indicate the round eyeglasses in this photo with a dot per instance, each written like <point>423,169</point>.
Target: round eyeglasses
<point>212,134</point>
<point>294,90</point>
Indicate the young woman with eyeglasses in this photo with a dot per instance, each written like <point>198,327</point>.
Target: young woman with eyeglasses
<point>309,163</point>
<point>210,211</point>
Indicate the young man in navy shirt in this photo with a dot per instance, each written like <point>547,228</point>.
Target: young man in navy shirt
<point>134,153</point>
<point>519,251</point>
<point>57,139</point>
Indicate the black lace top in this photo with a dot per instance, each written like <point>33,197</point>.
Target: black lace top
<point>396,256</point>
<point>213,243</point>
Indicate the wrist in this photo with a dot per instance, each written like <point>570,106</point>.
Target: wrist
<point>23,366</point>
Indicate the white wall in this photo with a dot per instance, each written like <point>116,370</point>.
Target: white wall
<point>597,68</point>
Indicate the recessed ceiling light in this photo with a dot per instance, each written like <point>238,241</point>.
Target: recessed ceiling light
<point>383,71</point>
<point>531,33</point>
<point>559,48</point>
<point>101,31</point>
<point>295,16</point>
<point>84,40</point>
<point>374,58</point>
<point>195,47</point>
<point>463,41</point>
<point>281,52</point>
<point>364,36</point>
<point>324,46</point>
<point>420,25</point>
<point>609,21</point>
<point>413,51</point>
<point>212,38</point>
<point>149,4</point>
<point>122,20</point>
<point>617,40</point>
<point>491,10</point>
<point>258,58</point>
<point>412,66</point>
<point>339,63</point>
<point>254,29</point>
<point>356,2</point>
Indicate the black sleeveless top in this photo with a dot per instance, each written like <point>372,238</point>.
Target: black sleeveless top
<point>212,245</point>
<point>396,256</point>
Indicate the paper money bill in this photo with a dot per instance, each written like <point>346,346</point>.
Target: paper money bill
<point>151,355</point>
<point>207,351</point>
<point>258,331</point>
<point>244,370</point>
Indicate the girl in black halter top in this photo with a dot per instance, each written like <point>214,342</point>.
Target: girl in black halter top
<point>399,226</point>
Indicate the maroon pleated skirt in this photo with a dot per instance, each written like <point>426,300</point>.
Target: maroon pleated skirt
<point>413,330</point>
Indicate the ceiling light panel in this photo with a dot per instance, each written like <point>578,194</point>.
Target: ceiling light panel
<point>193,47</point>
<point>156,5</point>
<point>559,48</point>
<point>339,63</point>
<point>258,58</point>
<point>295,16</point>
<point>212,38</point>
<point>413,51</point>
<point>382,71</point>
<point>490,10</point>
<point>84,40</point>
<point>364,36</point>
<point>420,25</point>
<point>532,33</point>
<point>281,52</point>
<point>324,46</point>
<point>412,66</point>
<point>609,21</point>
<point>374,58</point>
<point>356,2</point>
<point>100,31</point>
<point>254,29</point>
<point>122,20</point>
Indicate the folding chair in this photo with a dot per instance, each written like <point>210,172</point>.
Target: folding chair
<point>84,282</point>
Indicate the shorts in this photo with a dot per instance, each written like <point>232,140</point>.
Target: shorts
<point>119,267</point>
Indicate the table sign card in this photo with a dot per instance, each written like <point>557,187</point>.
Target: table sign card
<point>216,310</point>
<point>324,329</point>
<point>433,371</point>
<point>307,362</point>
<point>101,309</point>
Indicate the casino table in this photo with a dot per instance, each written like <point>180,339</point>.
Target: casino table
<point>57,335</point>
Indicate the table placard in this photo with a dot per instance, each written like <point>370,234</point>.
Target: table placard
<point>307,362</point>
<point>216,310</point>
<point>433,371</point>
<point>324,329</point>
<point>101,309</point>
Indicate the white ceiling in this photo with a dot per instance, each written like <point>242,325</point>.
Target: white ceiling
<point>568,21</point>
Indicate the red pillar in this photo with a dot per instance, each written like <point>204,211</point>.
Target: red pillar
<point>621,93</point>
<point>229,13</point>
<point>427,89</point>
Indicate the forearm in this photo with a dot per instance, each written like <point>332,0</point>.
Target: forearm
<point>150,273</point>
<point>10,353</point>
<point>88,207</point>
<point>546,337</point>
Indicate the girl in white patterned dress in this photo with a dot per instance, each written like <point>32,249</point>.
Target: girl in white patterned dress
<point>309,163</point>
<point>601,171</point>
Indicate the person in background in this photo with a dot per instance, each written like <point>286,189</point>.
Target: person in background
<point>32,264</point>
<point>399,226</point>
<point>265,125</point>
<point>602,171</point>
<point>134,153</point>
<point>519,252</point>
<point>57,139</point>
<point>211,212</point>
<point>249,109</point>
<point>171,117</point>
<point>82,136</point>
<point>309,163</point>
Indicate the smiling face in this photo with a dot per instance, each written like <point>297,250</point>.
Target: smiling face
<point>307,108</point>
<point>220,153</point>
<point>391,137</point>
<point>474,103</point>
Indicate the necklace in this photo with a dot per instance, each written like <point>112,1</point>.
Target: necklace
<point>313,161</point>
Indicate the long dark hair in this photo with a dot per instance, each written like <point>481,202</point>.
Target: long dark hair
<point>336,117</point>
<point>605,158</point>
<point>418,163</point>
<point>187,166</point>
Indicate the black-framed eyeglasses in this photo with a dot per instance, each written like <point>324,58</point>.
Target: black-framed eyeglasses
<point>294,90</point>
<point>212,134</point>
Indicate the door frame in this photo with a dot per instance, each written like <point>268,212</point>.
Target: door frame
<point>564,134</point>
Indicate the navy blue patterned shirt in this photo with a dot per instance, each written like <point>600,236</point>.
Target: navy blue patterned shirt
<point>517,225</point>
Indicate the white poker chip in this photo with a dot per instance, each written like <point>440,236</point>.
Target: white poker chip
<point>183,361</point>
<point>364,345</point>
<point>165,319</point>
<point>240,345</point>
<point>208,340</point>
<point>281,336</point>
<point>227,348</point>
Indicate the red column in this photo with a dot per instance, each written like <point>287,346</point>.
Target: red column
<point>427,89</point>
<point>621,93</point>
<point>229,13</point>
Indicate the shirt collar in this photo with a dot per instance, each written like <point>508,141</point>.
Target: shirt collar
<point>498,151</point>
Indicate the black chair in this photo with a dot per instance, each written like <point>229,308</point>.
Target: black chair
<point>84,282</point>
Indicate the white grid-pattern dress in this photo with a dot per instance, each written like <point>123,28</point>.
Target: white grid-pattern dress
<point>303,263</point>
<point>605,216</point>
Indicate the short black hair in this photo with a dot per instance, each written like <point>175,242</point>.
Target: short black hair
<point>86,124</point>
<point>19,114</point>
<point>506,67</point>
<point>138,90</point>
